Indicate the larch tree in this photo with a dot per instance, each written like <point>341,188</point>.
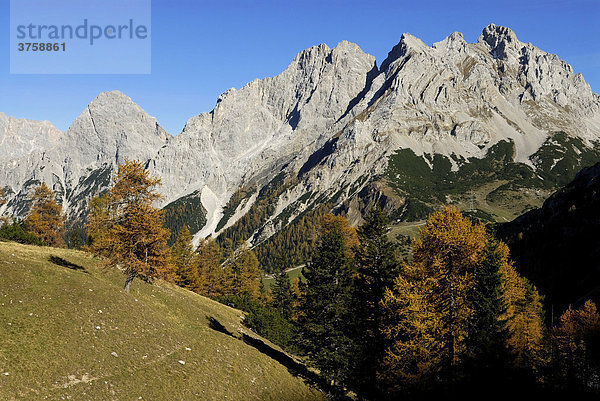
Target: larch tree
<point>324,315</point>
<point>211,275</point>
<point>185,260</point>
<point>45,218</point>
<point>125,226</point>
<point>576,347</point>
<point>523,316</point>
<point>427,310</point>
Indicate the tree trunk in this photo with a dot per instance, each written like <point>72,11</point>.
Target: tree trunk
<point>130,276</point>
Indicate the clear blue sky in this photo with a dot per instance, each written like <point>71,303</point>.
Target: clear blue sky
<point>202,48</point>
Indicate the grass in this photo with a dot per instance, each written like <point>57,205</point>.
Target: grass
<point>69,331</point>
<point>292,273</point>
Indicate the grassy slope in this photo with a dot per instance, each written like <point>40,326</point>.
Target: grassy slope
<point>59,328</point>
<point>293,274</point>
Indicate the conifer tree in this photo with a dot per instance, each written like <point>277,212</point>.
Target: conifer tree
<point>377,267</point>
<point>428,309</point>
<point>185,260</point>
<point>523,317</point>
<point>283,298</point>
<point>75,241</point>
<point>211,274</point>
<point>242,273</point>
<point>126,228</point>
<point>324,311</point>
<point>576,347</point>
<point>45,217</point>
<point>487,348</point>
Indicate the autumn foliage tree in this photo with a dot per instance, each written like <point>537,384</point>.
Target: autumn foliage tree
<point>210,272</point>
<point>185,260</point>
<point>459,281</point>
<point>45,218</point>
<point>523,315</point>
<point>576,348</point>
<point>127,229</point>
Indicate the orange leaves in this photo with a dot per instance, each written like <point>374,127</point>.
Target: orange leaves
<point>45,217</point>
<point>429,310</point>
<point>127,229</point>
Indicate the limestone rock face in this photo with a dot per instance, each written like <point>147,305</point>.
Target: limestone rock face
<point>20,137</point>
<point>327,124</point>
<point>256,130</point>
<point>81,161</point>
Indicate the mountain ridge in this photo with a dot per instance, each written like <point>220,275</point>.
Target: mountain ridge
<point>331,127</point>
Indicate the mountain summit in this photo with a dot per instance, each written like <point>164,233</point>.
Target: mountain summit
<point>498,117</point>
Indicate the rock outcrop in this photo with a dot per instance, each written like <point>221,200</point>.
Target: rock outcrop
<point>326,127</point>
<point>20,137</point>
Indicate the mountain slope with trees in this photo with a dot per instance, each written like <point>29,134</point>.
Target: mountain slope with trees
<point>557,246</point>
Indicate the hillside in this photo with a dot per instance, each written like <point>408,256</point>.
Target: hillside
<point>68,331</point>
<point>557,246</point>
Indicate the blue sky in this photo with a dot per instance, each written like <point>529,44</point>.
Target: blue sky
<point>202,48</point>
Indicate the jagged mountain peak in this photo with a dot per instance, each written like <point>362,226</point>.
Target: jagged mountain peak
<point>496,35</point>
<point>453,42</point>
<point>408,44</point>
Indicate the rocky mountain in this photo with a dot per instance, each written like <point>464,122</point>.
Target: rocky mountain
<point>557,245</point>
<point>79,164</point>
<point>20,137</point>
<point>498,123</point>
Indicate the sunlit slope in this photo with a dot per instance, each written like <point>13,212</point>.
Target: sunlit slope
<point>67,329</point>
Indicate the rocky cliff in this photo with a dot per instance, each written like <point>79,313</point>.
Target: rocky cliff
<point>498,120</point>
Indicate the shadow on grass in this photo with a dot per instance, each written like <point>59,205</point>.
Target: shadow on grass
<point>65,263</point>
<point>294,367</point>
<point>217,326</point>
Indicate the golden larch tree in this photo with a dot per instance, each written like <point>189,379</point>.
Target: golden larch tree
<point>211,276</point>
<point>576,347</point>
<point>45,218</point>
<point>427,310</point>
<point>523,316</point>
<point>125,226</point>
<point>184,260</point>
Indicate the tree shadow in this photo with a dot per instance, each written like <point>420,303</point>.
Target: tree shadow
<point>217,326</point>
<point>65,263</point>
<point>294,367</point>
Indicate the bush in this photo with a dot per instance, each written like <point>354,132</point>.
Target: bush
<point>264,320</point>
<point>16,232</point>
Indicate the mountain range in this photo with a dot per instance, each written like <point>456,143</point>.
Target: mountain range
<point>494,126</point>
